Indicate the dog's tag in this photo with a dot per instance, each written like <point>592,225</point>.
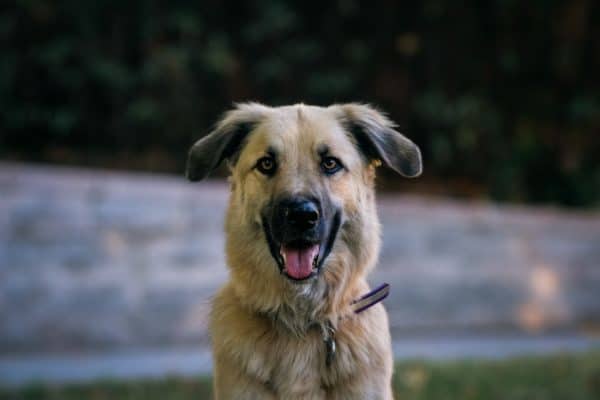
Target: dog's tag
<point>330,350</point>
<point>329,340</point>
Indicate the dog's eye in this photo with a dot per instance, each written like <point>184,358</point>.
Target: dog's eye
<point>266,165</point>
<point>331,165</point>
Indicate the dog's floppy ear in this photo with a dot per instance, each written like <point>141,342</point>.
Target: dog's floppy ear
<point>225,141</point>
<point>377,139</point>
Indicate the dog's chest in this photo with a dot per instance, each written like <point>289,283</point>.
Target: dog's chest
<point>301,363</point>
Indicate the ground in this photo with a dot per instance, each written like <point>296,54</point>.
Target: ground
<point>565,377</point>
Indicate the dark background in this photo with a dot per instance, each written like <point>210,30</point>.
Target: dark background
<point>502,96</point>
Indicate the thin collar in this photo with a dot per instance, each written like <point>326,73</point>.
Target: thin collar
<point>359,305</point>
<point>370,299</point>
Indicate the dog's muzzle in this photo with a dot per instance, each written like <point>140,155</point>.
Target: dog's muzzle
<point>300,235</point>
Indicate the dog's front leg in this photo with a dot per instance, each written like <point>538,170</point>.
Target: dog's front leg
<point>374,390</point>
<point>231,383</point>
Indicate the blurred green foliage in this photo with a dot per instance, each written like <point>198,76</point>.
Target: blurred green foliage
<point>503,96</point>
<point>572,377</point>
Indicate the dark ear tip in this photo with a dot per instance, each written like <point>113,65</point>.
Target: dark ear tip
<point>410,170</point>
<point>189,171</point>
<point>415,172</point>
<point>415,164</point>
<point>193,175</point>
<point>192,172</point>
<point>195,170</point>
<point>410,164</point>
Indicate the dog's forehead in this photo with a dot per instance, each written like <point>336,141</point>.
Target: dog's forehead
<point>301,127</point>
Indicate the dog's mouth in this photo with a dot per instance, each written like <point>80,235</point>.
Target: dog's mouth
<point>300,260</point>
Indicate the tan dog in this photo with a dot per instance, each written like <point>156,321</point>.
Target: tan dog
<point>302,235</point>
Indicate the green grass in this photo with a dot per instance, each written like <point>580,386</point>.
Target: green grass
<point>565,377</point>
<point>568,377</point>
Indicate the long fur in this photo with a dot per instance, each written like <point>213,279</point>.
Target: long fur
<point>267,332</point>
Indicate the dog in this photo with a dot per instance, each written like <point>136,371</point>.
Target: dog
<point>302,233</point>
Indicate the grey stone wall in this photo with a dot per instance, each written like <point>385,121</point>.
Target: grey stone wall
<point>105,260</point>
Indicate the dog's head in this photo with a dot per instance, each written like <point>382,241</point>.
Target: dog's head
<point>302,183</point>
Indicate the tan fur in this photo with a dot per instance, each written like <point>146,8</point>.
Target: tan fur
<point>267,331</point>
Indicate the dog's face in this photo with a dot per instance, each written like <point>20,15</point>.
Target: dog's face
<point>302,182</point>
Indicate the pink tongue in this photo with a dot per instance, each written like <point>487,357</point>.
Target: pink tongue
<point>299,262</point>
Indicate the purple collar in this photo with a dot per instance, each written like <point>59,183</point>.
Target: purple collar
<point>359,305</point>
<point>371,298</point>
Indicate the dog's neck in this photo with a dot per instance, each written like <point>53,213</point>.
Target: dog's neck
<point>306,307</point>
<point>295,321</point>
<point>298,323</point>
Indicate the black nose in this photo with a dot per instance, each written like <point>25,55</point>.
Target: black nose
<point>299,214</point>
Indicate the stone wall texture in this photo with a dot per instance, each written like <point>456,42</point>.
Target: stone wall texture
<point>97,260</point>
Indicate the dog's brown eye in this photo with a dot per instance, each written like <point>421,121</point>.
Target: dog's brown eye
<point>266,165</point>
<point>331,165</point>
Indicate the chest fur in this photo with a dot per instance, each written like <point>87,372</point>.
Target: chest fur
<point>294,363</point>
